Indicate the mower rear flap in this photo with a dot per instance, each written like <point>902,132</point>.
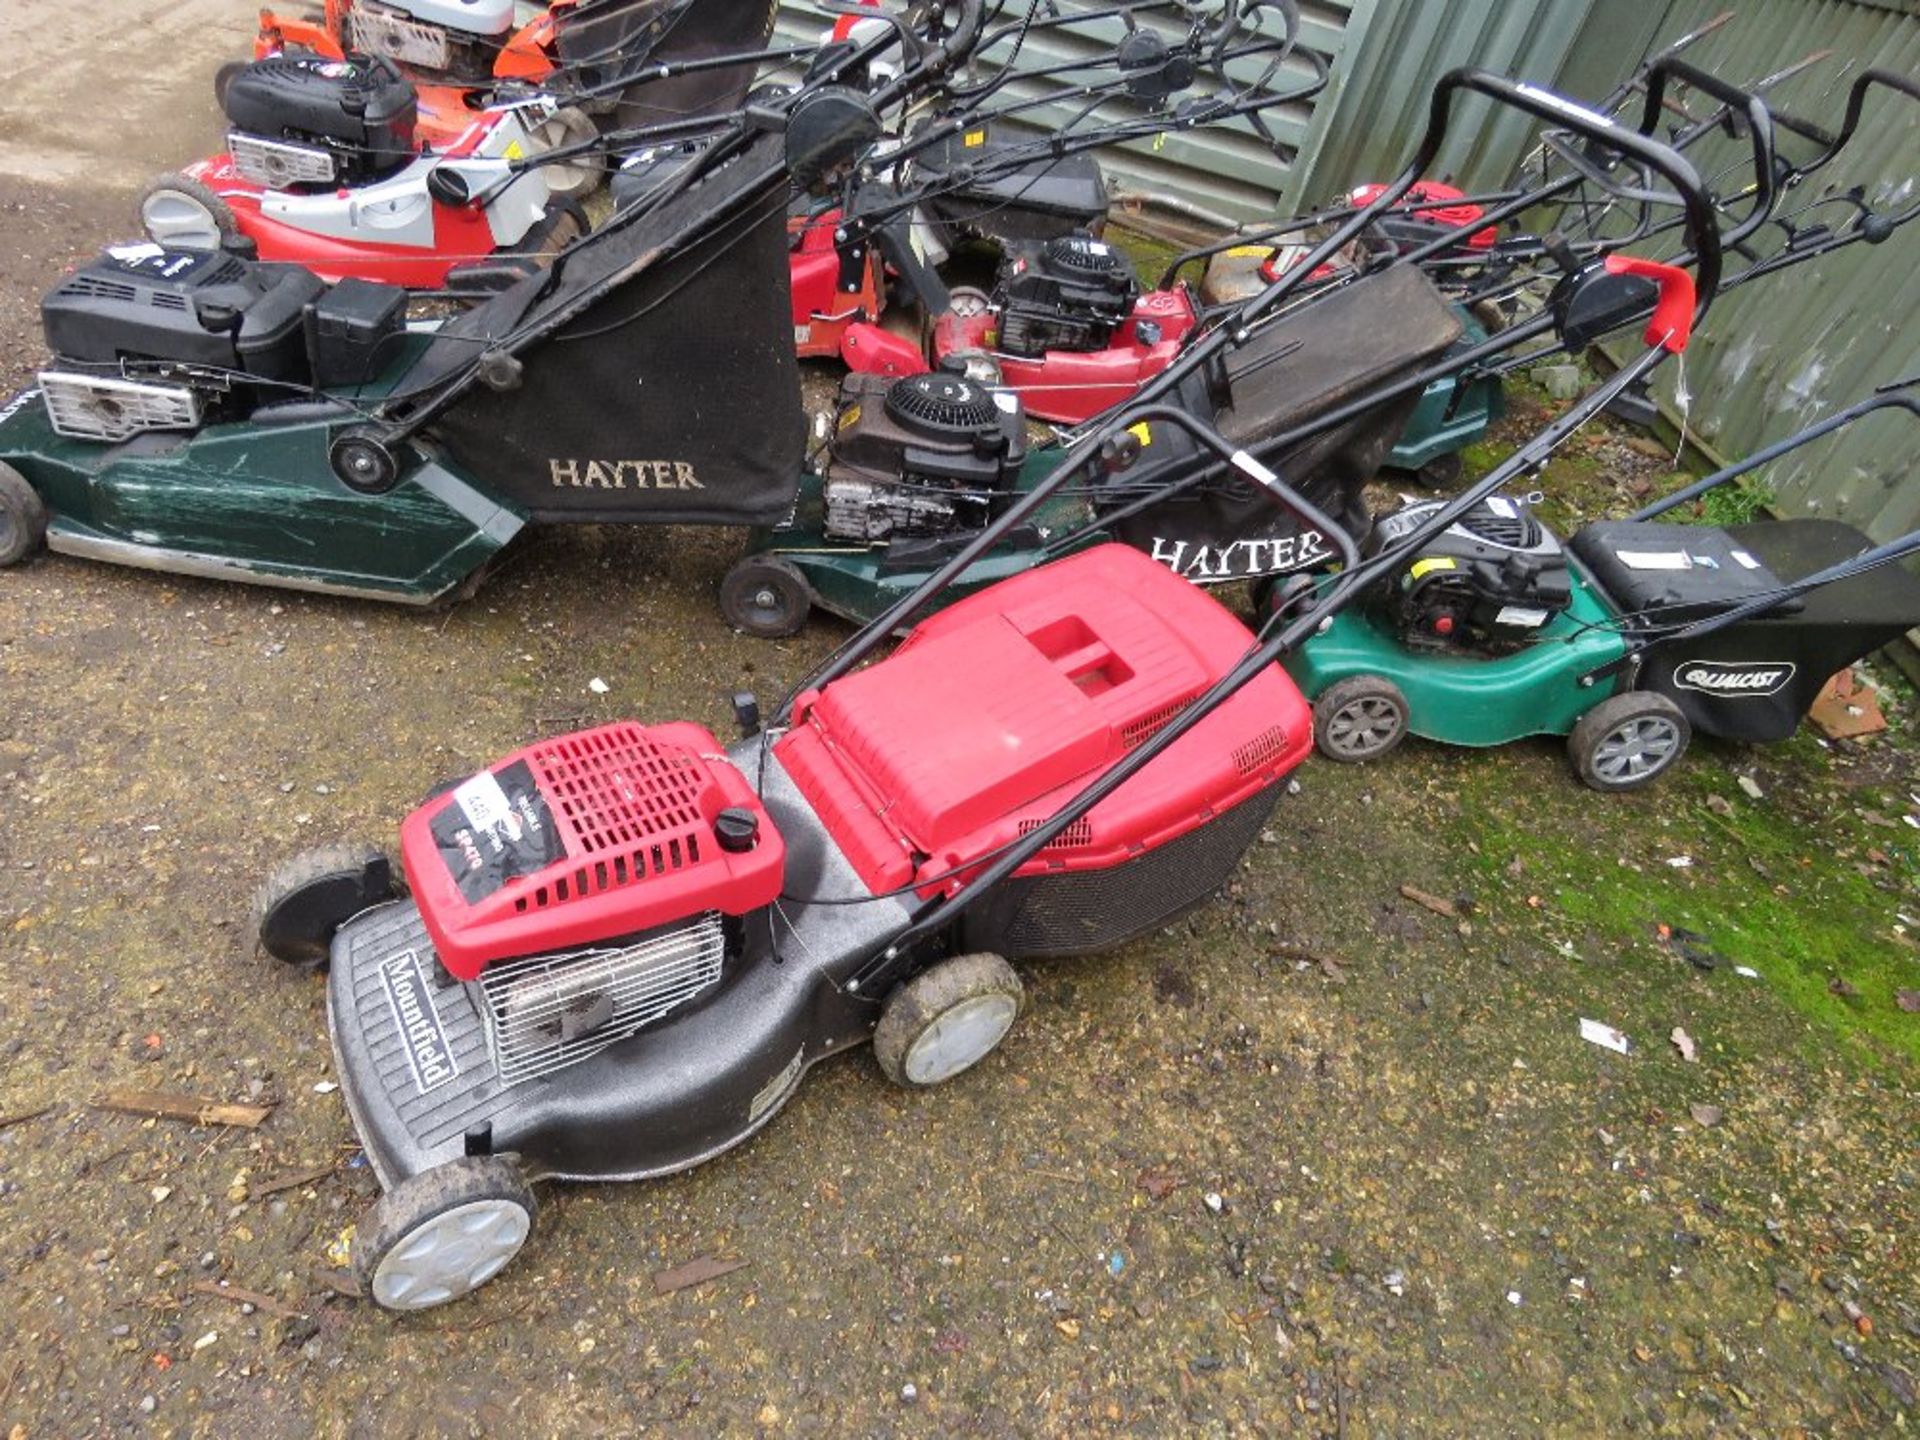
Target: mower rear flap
<point>996,711</point>
<point>690,1085</point>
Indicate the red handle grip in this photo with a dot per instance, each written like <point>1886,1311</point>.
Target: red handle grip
<point>1672,322</point>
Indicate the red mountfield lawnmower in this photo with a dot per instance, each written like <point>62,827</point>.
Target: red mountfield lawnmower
<point>623,948</point>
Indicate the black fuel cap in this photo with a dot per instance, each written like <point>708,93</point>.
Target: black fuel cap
<point>737,829</point>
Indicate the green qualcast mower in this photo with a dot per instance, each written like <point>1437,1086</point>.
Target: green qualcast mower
<point>1629,639</point>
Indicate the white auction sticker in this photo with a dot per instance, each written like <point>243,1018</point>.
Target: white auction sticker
<point>483,801</point>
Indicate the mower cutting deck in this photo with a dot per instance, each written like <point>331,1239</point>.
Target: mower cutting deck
<point>625,947</point>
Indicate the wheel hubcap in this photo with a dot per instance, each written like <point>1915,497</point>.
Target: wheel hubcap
<point>175,218</point>
<point>1363,726</point>
<point>1637,749</point>
<point>455,1252</point>
<point>959,1037</point>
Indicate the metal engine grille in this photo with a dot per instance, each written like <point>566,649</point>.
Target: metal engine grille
<point>379,31</point>
<point>276,164</point>
<point>97,407</point>
<point>1088,910</point>
<point>551,1011</point>
<point>1517,531</point>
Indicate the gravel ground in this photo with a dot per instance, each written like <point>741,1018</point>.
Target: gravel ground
<point>1318,1161</point>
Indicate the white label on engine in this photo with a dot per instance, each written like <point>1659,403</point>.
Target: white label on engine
<point>1501,506</point>
<point>1656,559</point>
<point>1745,560</point>
<point>132,254</point>
<point>778,1086</point>
<point>1008,402</point>
<point>483,801</point>
<point>1520,615</point>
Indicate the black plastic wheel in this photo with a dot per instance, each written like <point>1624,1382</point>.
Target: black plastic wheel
<point>443,1233</point>
<point>766,596</point>
<point>362,463</point>
<point>1359,719</point>
<point>179,212</point>
<point>947,1019</point>
<point>23,517</point>
<point>1628,740</point>
<point>300,905</point>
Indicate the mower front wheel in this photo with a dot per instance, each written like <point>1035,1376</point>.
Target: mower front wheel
<point>178,211</point>
<point>1359,719</point>
<point>443,1233</point>
<point>300,905</point>
<point>23,517</point>
<point>1627,741</point>
<point>947,1019</point>
<point>766,596</point>
<point>581,175</point>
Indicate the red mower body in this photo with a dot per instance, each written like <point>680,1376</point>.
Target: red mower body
<point>995,712</point>
<point>1072,386</point>
<point>583,839</point>
<point>446,109</point>
<point>831,295</point>
<point>1411,227</point>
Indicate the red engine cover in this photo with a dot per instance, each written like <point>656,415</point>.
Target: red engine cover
<point>995,712</point>
<point>1071,386</point>
<point>1424,192</point>
<point>583,838</point>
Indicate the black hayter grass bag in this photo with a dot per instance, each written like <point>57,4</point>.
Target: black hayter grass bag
<point>1302,365</point>
<point>673,398</point>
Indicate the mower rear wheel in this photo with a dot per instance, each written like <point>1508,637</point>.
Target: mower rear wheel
<point>178,211</point>
<point>1359,719</point>
<point>1277,597</point>
<point>581,175</point>
<point>443,1233</point>
<point>765,596</point>
<point>947,1019</point>
<point>23,517</point>
<point>1629,740</point>
<point>300,905</point>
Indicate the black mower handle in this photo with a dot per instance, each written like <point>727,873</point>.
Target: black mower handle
<point>1759,120</point>
<point>1850,120</point>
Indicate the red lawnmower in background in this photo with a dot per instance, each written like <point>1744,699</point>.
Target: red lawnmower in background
<point>342,164</point>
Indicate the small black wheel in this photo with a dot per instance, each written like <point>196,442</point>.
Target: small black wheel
<point>305,900</point>
<point>765,596</point>
<point>1443,472</point>
<point>23,517</point>
<point>362,463</point>
<point>179,212</point>
<point>443,1233</point>
<point>1359,719</point>
<point>947,1019</point>
<point>1628,740</point>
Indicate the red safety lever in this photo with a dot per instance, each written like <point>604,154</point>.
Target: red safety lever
<point>1672,322</point>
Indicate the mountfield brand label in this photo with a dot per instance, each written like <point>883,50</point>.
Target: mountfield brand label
<point>624,475</point>
<point>1720,677</point>
<point>411,998</point>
